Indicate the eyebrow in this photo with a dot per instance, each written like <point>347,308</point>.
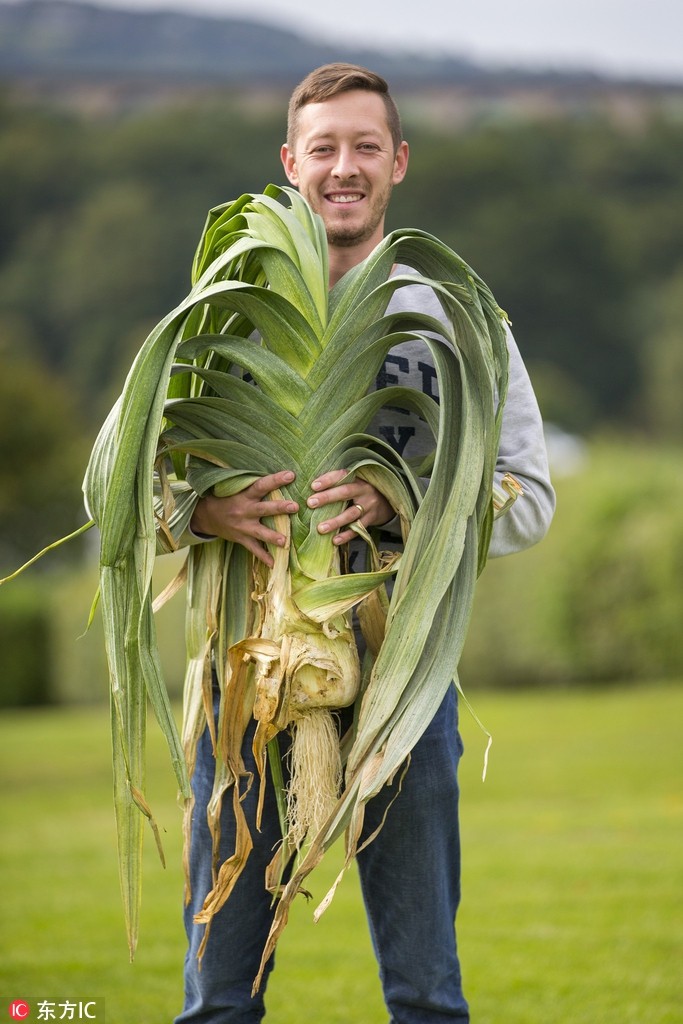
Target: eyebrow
<point>322,136</point>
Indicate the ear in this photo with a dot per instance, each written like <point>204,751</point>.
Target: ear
<point>289,164</point>
<point>400,163</point>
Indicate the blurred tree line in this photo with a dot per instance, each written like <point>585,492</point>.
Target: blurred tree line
<point>576,223</point>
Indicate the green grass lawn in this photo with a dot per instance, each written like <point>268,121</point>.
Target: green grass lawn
<point>573,873</point>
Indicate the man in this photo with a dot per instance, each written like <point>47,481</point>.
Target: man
<point>345,152</point>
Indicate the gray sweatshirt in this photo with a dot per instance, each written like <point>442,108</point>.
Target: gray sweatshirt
<point>522,450</point>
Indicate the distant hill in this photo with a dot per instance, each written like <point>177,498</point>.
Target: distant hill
<point>66,38</point>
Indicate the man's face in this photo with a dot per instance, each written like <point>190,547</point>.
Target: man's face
<point>343,163</point>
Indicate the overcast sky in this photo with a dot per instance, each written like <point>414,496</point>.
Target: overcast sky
<point>642,37</point>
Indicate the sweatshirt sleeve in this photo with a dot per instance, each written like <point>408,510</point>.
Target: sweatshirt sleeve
<point>173,525</point>
<point>522,452</point>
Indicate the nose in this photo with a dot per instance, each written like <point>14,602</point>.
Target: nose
<point>346,164</point>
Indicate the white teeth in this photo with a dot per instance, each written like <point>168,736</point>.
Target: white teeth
<point>346,198</point>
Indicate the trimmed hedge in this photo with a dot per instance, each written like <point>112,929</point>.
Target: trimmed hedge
<point>26,664</point>
<point>600,599</point>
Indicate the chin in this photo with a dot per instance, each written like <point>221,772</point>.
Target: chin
<point>345,235</point>
<point>345,238</point>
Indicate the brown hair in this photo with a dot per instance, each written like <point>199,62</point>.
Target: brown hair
<point>332,79</point>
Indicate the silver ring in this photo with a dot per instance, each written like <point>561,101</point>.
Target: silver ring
<point>361,510</point>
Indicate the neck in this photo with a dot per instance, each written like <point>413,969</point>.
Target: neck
<point>344,257</point>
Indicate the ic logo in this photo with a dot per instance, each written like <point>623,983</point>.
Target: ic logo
<point>19,1010</point>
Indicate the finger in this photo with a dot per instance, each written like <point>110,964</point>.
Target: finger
<point>265,484</point>
<point>344,537</point>
<point>261,509</point>
<point>256,540</point>
<point>352,514</point>
<point>267,536</point>
<point>263,554</point>
<point>369,510</point>
<point>344,492</point>
<point>327,480</point>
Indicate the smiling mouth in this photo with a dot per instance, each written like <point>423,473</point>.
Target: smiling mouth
<point>344,197</point>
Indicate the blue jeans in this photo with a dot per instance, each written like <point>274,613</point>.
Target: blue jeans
<point>410,880</point>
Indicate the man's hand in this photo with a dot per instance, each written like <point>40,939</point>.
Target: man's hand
<point>238,517</point>
<point>366,504</point>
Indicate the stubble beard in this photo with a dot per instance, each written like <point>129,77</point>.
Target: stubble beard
<point>346,236</point>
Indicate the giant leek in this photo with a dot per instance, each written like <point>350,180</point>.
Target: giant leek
<point>263,367</point>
